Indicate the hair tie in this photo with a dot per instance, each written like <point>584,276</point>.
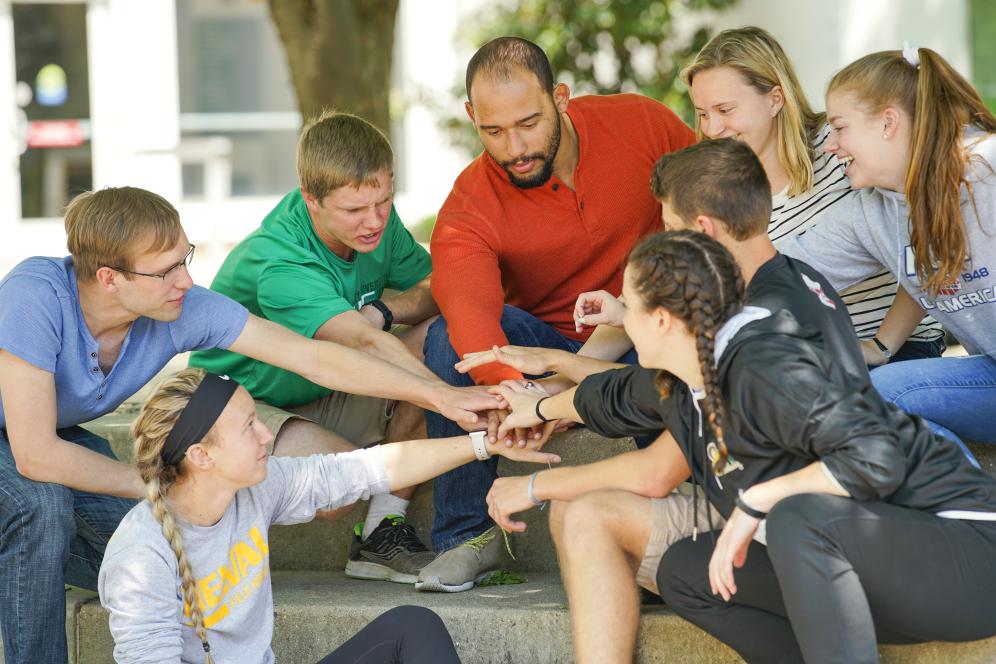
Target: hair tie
<point>911,54</point>
<point>198,416</point>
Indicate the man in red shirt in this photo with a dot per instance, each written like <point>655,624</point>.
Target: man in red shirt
<point>549,210</point>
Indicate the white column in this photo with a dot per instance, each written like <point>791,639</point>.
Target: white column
<point>134,95</point>
<point>10,138</point>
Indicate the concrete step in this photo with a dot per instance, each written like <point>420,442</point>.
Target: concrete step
<point>521,624</point>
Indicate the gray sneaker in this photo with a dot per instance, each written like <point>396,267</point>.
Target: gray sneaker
<point>393,552</point>
<point>462,566</point>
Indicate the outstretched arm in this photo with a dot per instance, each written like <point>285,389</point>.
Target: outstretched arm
<point>340,368</point>
<point>653,472</point>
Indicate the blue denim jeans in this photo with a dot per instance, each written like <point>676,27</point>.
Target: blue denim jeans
<point>50,535</point>
<point>919,350</point>
<point>956,395</point>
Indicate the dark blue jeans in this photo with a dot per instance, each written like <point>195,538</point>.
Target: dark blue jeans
<point>50,535</point>
<point>458,495</point>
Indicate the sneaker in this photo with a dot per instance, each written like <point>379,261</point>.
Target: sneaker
<point>393,552</point>
<point>461,567</point>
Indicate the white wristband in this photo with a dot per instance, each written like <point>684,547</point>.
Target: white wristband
<point>477,439</point>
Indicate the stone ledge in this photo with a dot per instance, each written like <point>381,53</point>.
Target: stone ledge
<point>521,624</point>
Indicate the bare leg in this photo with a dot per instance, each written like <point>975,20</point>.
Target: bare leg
<point>414,336</point>
<point>601,538</point>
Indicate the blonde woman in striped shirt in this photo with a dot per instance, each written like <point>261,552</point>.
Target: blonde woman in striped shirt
<point>743,86</point>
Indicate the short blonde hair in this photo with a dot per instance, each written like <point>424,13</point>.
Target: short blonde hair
<point>338,149</point>
<point>759,58</point>
<point>109,226</point>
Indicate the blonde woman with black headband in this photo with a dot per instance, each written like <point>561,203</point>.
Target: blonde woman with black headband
<point>186,575</point>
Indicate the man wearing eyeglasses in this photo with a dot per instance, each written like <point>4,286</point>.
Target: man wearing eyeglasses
<point>78,336</point>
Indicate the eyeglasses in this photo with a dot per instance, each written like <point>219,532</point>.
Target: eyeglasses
<point>171,272</point>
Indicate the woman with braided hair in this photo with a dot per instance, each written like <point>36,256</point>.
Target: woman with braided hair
<point>186,575</point>
<point>846,519</point>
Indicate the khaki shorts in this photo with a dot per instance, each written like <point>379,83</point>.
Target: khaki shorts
<point>671,520</point>
<point>360,420</point>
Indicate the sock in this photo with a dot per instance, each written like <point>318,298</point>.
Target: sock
<point>381,505</point>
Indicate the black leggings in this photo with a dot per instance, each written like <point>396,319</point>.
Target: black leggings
<point>403,635</point>
<point>847,574</point>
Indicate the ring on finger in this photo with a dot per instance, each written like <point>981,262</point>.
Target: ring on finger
<point>530,384</point>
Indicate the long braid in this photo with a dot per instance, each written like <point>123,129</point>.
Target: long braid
<point>694,278</point>
<point>154,423</point>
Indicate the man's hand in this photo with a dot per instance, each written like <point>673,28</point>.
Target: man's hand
<point>508,496</point>
<point>525,359</point>
<point>598,308</point>
<point>462,404</point>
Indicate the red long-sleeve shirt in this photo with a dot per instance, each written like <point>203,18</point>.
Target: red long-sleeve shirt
<point>538,248</point>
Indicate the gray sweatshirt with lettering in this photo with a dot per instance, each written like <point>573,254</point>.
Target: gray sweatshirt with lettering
<point>871,229</point>
<point>139,580</point>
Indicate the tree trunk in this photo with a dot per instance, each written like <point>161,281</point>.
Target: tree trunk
<point>339,53</point>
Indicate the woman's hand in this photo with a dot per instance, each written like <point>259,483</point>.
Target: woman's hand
<point>525,359</point>
<point>598,308</point>
<point>874,357</point>
<point>508,496</point>
<point>730,552</point>
<point>521,399</point>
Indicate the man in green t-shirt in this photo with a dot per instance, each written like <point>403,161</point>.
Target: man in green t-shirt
<point>319,264</point>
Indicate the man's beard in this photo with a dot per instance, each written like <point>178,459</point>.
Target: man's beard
<point>547,158</point>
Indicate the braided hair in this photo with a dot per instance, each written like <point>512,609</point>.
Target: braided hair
<point>697,280</point>
<point>154,423</point>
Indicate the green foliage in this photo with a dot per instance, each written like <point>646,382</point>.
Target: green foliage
<point>598,46</point>
<point>501,577</point>
<point>983,34</point>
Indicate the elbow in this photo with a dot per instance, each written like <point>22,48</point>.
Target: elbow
<point>656,482</point>
<point>29,467</point>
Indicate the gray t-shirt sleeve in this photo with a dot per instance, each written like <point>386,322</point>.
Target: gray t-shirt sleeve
<point>139,587</point>
<point>835,246</point>
<point>299,487</point>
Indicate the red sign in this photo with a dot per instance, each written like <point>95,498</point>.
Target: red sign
<point>55,134</point>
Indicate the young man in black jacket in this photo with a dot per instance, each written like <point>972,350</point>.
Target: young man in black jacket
<point>614,519</point>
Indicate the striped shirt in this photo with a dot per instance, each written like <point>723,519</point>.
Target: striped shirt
<point>868,301</point>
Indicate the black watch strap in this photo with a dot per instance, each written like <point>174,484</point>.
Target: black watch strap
<point>882,347</point>
<point>383,309</point>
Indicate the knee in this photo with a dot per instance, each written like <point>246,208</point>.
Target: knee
<point>581,520</point>
<point>437,350</point>
<point>414,620</point>
<point>43,520</point>
<point>797,519</point>
<point>896,383</point>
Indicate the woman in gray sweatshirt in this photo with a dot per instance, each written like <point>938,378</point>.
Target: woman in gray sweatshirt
<point>919,142</point>
<point>186,576</point>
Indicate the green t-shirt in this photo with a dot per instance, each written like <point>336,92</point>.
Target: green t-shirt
<point>283,272</point>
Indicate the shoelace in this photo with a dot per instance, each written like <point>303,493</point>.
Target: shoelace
<point>403,534</point>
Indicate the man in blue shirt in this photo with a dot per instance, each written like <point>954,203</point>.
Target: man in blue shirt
<point>77,337</point>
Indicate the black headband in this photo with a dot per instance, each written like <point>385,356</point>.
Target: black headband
<point>198,416</point>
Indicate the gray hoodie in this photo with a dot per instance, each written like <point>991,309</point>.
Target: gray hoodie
<point>862,233</point>
<point>139,580</point>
